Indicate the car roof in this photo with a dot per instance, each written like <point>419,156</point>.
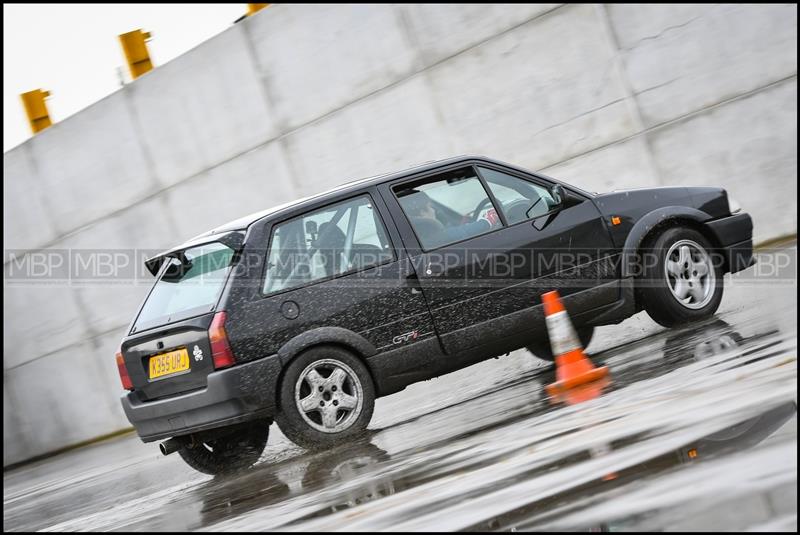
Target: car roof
<point>243,222</point>
<point>246,221</point>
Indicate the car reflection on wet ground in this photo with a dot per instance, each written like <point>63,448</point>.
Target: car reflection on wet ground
<point>696,429</point>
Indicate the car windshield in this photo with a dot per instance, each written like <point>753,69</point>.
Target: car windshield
<point>189,285</point>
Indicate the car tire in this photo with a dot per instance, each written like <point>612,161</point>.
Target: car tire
<point>326,397</point>
<point>229,453</point>
<point>679,281</point>
<point>542,349</point>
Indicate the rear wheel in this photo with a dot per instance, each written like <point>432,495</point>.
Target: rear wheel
<point>229,452</point>
<point>542,349</point>
<point>326,397</point>
<point>680,282</point>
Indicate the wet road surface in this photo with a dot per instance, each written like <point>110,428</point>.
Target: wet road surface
<point>697,429</point>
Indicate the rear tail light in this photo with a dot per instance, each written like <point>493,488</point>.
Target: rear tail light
<point>123,372</point>
<point>220,348</point>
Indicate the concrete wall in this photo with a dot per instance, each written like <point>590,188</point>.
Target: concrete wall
<point>300,98</point>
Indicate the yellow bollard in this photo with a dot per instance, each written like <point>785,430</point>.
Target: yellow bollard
<point>253,8</point>
<point>36,109</point>
<point>134,46</point>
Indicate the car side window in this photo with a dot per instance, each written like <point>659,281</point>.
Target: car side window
<point>519,199</point>
<point>331,241</point>
<point>448,208</point>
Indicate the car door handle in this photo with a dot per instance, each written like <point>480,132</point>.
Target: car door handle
<point>413,282</point>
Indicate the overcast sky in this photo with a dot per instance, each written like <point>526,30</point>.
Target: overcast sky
<point>73,51</point>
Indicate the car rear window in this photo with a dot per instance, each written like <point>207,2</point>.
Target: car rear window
<point>188,286</point>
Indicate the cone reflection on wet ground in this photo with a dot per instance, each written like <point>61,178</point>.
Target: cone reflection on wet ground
<point>581,393</point>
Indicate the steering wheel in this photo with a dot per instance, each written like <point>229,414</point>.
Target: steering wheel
<point>479,208</point>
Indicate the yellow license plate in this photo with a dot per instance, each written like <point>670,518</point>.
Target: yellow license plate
<point>169,363</point>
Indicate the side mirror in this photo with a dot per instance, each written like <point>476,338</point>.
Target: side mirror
<point>558,194</point>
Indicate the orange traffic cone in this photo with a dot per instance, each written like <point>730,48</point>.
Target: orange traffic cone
<point>572,366</point>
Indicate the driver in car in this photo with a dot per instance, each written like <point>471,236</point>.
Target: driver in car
<point>420,209</point>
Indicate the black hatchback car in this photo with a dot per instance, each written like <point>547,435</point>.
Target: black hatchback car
<point>306,313</point>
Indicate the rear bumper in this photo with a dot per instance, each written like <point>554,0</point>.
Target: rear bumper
<point>233,395</point>
<point>735,235</point>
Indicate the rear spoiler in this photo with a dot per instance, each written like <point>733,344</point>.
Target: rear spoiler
<point>233,239</point>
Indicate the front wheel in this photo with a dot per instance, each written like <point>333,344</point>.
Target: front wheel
<point>229,452</point>
<point>680,282</point>
<point>326,397</point>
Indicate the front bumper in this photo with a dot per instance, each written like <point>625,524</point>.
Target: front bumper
<point>233,395</point>
<point>735,235</point>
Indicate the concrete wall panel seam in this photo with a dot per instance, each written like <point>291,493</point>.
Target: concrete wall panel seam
<point>263,78</point>
<point>27,149</point>
<point>630,96</point>
<point>139,134</point>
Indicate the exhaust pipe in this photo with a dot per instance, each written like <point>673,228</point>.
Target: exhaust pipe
<point>174,444</point>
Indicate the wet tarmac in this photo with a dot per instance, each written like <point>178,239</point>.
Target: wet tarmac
<point>697,429</point>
